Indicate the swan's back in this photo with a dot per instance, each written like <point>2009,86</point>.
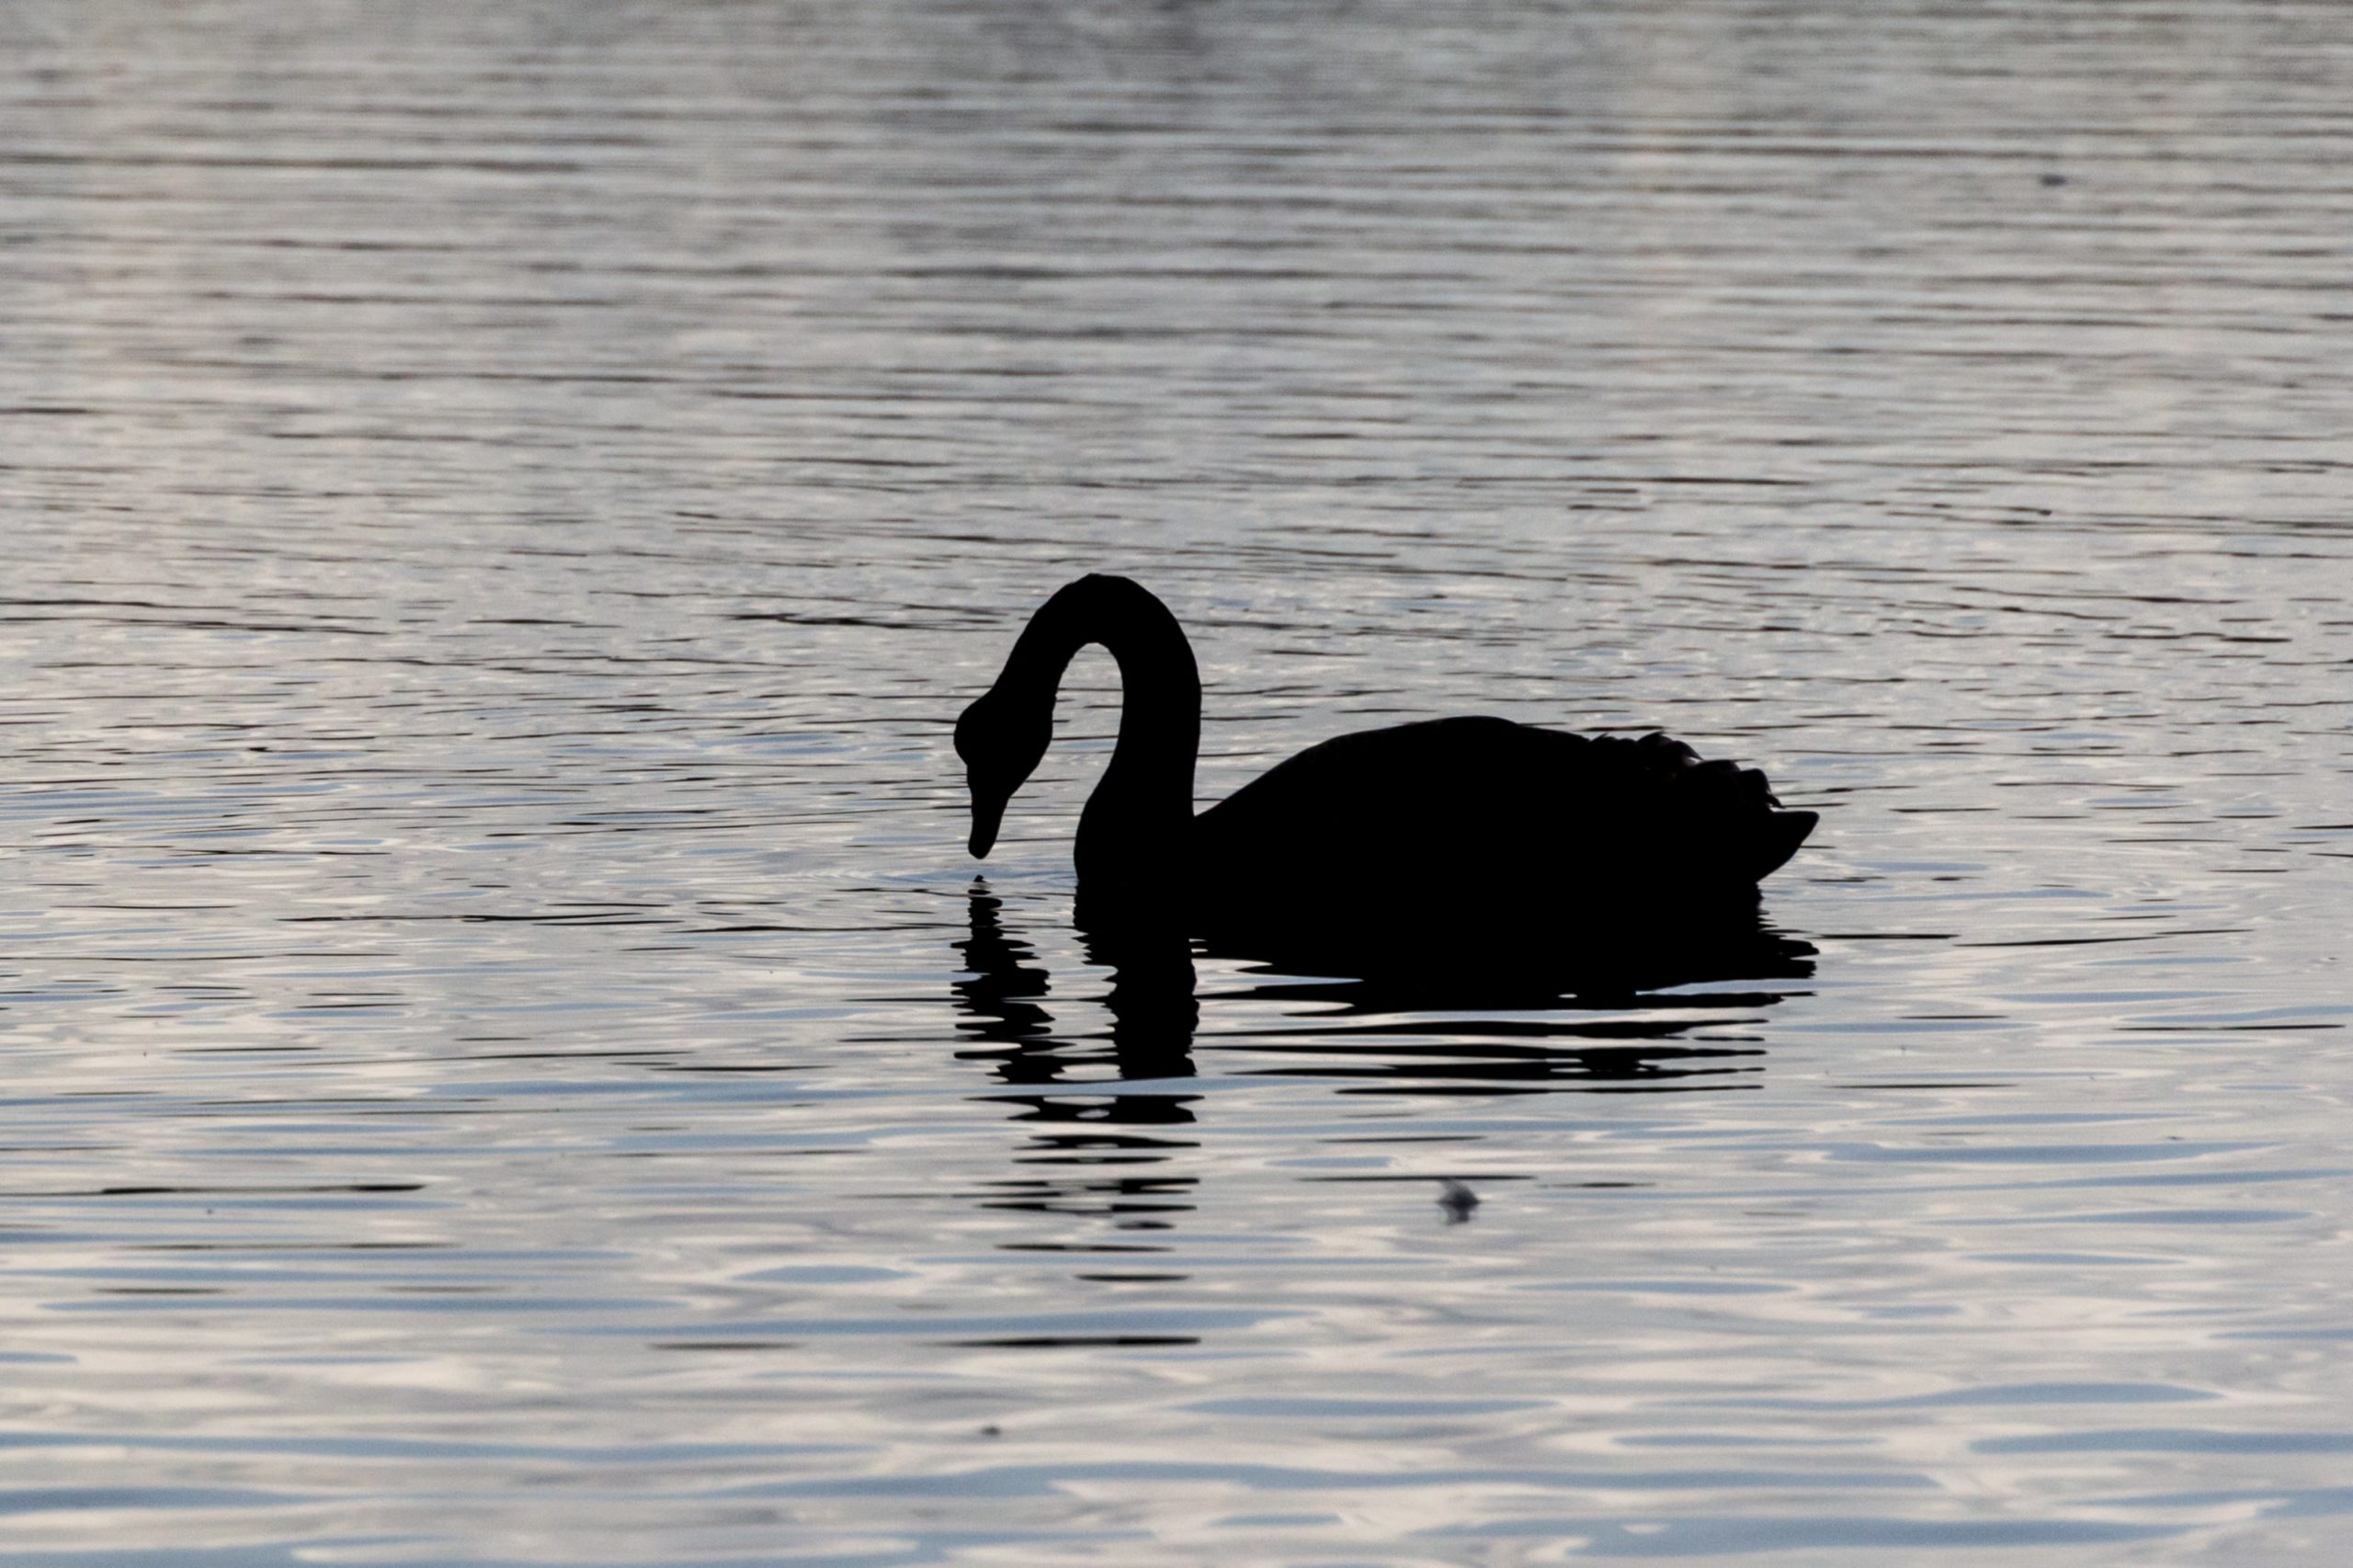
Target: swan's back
<point>1486,809</point>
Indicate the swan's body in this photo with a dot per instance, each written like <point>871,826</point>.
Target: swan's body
<point>1461,815</point>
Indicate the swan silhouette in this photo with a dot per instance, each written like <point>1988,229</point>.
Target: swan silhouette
<point>1474,818</point>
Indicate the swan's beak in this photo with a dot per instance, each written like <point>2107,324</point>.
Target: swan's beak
<point>988,811</point>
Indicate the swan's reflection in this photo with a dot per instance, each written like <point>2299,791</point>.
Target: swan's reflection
<point>1479,1013</point>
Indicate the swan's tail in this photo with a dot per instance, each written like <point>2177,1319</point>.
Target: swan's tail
<point>1784,831</point>
<point>1733,821</point>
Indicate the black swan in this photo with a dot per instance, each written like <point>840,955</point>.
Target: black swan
<point>1448,819</point>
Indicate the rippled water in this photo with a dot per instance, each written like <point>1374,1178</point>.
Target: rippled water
<point>509,1063</point>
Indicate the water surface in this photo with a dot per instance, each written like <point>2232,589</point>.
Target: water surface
<point>509,1063</point>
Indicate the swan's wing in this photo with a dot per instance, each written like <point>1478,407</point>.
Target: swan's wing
<point>1485,801</point>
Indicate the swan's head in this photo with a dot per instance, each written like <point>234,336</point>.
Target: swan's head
<point>1001,739</point>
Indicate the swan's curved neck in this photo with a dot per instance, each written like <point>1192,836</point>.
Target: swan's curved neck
<point>1142,811</point>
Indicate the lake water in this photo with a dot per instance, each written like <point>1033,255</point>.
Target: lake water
<point>509,1063</point>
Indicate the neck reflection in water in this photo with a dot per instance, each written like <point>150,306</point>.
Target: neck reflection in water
<point>1103,1135</point>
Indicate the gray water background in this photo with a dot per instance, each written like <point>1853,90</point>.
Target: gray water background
<point>500,505</point>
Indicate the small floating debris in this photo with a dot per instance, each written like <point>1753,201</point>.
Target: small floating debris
<point>1457,1199</point>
